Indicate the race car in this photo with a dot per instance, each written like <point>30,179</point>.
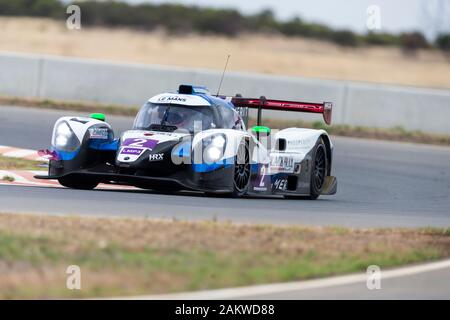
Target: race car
<point>192,140</point>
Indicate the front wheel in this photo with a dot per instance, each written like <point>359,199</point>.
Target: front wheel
<point>241,174</point>
<point>80,183</point>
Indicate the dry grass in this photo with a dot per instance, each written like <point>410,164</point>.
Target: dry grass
<point>10,163</point>
<point>88,107</point>
<point>121,256</point>
<point>267,54</point>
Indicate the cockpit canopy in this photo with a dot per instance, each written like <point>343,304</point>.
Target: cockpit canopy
<point>190,118</point>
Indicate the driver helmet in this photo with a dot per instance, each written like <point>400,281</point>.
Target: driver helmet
<point>178,118</point>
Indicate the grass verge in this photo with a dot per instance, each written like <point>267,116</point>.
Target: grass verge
<point>119,256</point>
<point>10,163</point>
<point>394,134</point>
<point>88,107</point>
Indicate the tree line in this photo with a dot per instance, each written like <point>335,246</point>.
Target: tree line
<point>179,19</point>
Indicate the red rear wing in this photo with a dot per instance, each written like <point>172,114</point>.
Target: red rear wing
<point>264,104</point>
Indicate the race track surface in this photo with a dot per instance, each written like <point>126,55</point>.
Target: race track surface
<point>424,286</point>
<point>380,184</point>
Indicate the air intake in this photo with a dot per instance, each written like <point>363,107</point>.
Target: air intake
<point>185,89</point>
<point>280,144</point>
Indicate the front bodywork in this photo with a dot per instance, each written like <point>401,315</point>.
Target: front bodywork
<point>146,159</point>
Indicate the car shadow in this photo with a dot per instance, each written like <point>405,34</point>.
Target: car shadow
<point>199,194</point>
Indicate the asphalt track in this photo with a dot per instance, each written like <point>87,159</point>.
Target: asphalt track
<point>430,285</point>
<point>380,184</point>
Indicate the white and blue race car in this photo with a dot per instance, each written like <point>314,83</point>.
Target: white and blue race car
<point>191,140</point>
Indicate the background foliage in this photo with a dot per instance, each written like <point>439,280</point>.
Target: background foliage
<point>181,19</point>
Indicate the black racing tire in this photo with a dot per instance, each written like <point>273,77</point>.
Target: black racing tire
<point>82,184</point>
<point>319,169</point>
<point>241,173</point>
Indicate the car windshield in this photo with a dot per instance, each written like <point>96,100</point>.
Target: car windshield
<point>179,116</point>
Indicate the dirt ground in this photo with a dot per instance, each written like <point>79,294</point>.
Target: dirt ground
<point>255,53</point>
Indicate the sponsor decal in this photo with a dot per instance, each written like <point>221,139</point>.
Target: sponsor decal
<point>140,143</point>
<point>261,181</point>
<point>133,151</point>
<point>167,134</point>
<point>156,157</point>
<point>98,133</point>
<point>280,184</point>
<point>297,143</point>
<point>171,98</point>
<point>260,188</point>
<point>281,164</point>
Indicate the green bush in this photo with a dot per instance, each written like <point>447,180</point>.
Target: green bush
<point>412,41</point>
<point>42,8</point>
<point>443,42</point>
<point>382,39</point>
<point>345,38</point>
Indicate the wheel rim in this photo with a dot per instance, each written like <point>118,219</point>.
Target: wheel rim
<point>319,168</point>
<point>241,168</point>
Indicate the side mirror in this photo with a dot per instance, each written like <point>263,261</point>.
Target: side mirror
<point>97,116</point>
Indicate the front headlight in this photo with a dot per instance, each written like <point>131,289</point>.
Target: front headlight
<point>214,148</point>
<point>64,138</point>
<point>218,141</point>
<point>212,154</point>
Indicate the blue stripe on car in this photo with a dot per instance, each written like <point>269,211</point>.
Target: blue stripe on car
<point>67,155</point>
<point>99,144</point>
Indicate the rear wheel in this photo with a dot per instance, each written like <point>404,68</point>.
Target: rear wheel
<point>241,174</point>
<point>319,170</point>
<point>80,183</point>
<point>318,173</point>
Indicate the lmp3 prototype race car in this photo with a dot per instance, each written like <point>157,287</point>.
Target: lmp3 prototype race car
<point>192,140</point>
